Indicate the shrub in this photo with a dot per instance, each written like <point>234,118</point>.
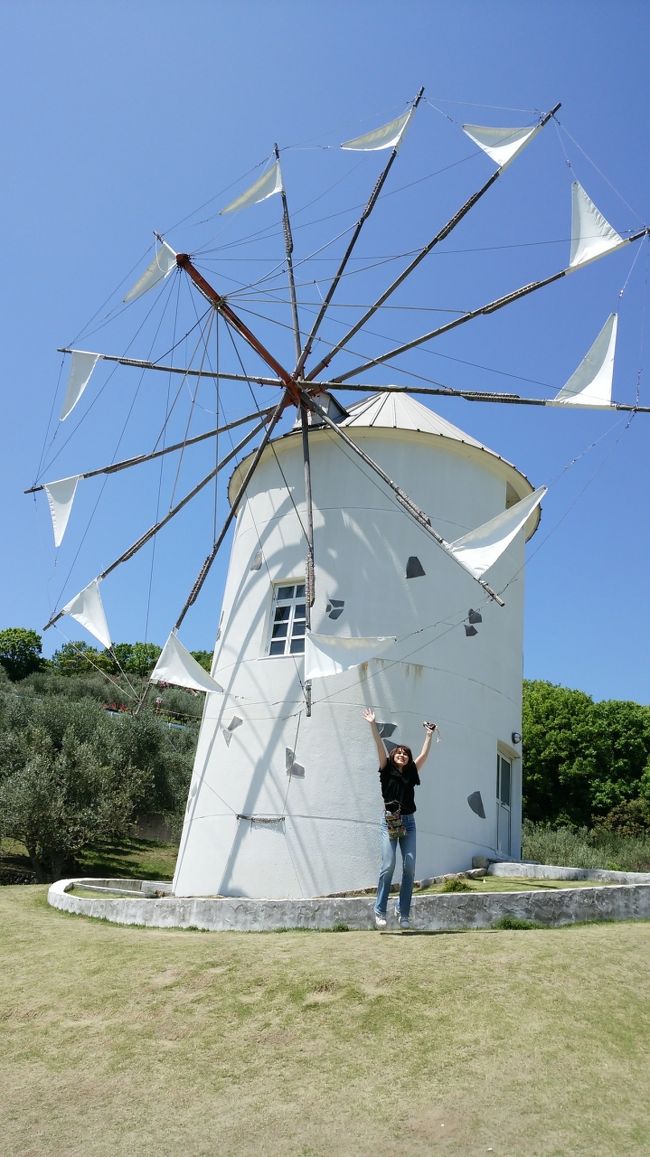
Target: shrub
<point>585,848</point>
<point>631,818</point>
<point>455,885</point>
<point>514,924</point>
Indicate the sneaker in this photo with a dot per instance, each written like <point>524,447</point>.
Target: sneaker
<point>404,922</point>
<point>380,921</point>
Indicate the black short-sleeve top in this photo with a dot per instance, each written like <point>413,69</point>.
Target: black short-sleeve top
<point>400,786</point>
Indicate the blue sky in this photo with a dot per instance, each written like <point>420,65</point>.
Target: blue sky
<point>129,117</point>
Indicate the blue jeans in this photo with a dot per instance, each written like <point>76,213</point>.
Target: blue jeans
<point>388,857</point>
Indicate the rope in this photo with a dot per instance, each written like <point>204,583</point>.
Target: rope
<point>119,442</point>
<point>78,650</point>
<point>561,129</point>
<point>159,490</point>
<point>193,393</point>
<point>291,499</point>
<point>165,289</point>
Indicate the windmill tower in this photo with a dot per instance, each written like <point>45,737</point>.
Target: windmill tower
<point>285,800</point>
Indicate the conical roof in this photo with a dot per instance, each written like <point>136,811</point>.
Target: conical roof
<point>399,411</point>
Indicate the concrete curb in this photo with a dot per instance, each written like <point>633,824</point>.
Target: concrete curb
<point>447,912</point>
<point>531,871</point>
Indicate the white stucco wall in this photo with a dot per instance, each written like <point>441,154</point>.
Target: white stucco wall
<point>326,835</point>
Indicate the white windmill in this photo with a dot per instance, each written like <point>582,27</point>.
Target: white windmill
<point>357,577</point>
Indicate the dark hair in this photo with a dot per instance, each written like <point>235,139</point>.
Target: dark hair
<point>400,747</point>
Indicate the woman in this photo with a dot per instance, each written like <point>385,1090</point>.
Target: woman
<point>398,773</point>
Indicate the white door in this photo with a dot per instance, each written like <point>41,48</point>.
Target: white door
<point>504,788</point>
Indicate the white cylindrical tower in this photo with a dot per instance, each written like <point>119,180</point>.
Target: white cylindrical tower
<point>286,805</point>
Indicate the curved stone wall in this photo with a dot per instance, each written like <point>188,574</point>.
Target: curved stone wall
<point>430,913</point>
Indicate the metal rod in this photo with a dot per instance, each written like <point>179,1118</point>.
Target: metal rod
<point>114,467</point>
<point>311,582</point>
<point>141,364</point>
<point>483,396</point>
<point>288,248</point>
<point>407,503</point>
<point>372,200</point>
<point>153,530</point>
<point>184,261</point>
<point>358,387</point>
<point>310,576</point>
<point>490,307</point>
<point>440,236</point>
<point>205,569</point>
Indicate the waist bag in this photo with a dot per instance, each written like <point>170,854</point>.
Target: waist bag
<point>393,817</point>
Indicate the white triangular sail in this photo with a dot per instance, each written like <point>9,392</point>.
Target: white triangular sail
<point>387,136</point>
<point>269,183</point>
<point>501,145</point>
<point>591,235</point>
<point>329,654</point>
<point>60,496</point>
<point>82,365</point>
<point>591,384</point>
<point>87,608</point>
<point>479,549</point>
<point>160,268</point>
<point>176,665</point>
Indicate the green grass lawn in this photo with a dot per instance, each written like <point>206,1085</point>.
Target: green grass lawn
<point>124,1041</point>
<point>135,859</point>
<point>130,857</point>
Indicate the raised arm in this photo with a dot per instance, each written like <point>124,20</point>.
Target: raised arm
<point>429,729</point>
<point>369,716</point>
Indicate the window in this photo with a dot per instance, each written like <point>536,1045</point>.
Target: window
<point>504,784</point>
<point>289,620</point>
<point>504,777</point>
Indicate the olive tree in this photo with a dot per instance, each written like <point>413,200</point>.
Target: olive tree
<point>71,776</point>
<point>20,652</point>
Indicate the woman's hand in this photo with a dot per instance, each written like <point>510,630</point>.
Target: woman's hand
<point>369,716</point>
<point>429,731</point>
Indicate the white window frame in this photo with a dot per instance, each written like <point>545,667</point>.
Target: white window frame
<point>288,597</point>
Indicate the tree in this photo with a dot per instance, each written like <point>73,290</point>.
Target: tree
<point>66,778</point>
<point>20,651</point>
<point>135,658</point>
<point>79,658</point>
<point>581,759</point>
<point>143,659</point>
<point>204,658</point>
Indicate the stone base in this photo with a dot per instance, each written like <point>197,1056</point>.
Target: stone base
<point>143,902</point>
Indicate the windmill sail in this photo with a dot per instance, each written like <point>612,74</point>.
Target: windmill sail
<point>60,496</point>
<point>501,145</point>
<point>81,368</point>
<point>478,550</point>
<point>387,136</point>
<point>160,268</point>
<point>87,608</point>
<point>591,383</point>
<point>591,234</point>
<point>269,183</point>
<point>176,665</point>
<point>329,654</point>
